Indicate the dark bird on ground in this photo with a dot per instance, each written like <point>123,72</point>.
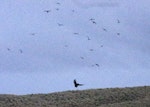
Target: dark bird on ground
<point>76,84</point>
<point>47,11</point>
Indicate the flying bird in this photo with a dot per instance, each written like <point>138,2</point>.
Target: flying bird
<point>88,38</point>
<point>94,22</point>
<point>8,49</point>
<point>118,21</point>
<point>92,19</point>
<point>47,11</point>
<point>82,57</point>
<point>57,9</point>
<point>118,33</point>
<point>66,45</point>
<point>91,49</point>
<point>58,3</point>
<point>104,29</point>
<point>20,50</point>
<point>32,34</point>
<point>59,24</point>
<point>76,33</point>
<point>76,84</point>
<point>97,65</point>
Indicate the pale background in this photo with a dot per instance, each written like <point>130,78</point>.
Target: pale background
<point>39,56</point>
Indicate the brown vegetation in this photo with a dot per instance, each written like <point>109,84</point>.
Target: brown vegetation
<point>110,97</point>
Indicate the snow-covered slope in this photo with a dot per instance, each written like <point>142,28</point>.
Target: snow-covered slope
<point>45,44</point>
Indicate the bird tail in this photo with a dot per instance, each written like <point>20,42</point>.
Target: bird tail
<point>81,84</point>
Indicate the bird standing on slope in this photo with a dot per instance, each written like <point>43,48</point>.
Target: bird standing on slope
<point>76,84</point>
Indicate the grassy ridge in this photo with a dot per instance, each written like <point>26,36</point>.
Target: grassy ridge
<point>110,97</point>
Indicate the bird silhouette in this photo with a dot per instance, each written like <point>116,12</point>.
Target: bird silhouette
<point>93,22</point>
<point>73,10</point>
<point>97,65</point>
<point>82,57</point>
<point>57,9</point>
<point>58,3</point>
<point>8,49</point>
<point>118,33</point>
<point>104,29</point>
<point>76,33</point>
<point>92,19</point>
<point>101,45</point>
<point>47,11</point>
<point>66,45</point>
<point>91,49</point>
<point>76,84</point>
<point>20,50</point>
<point>118,21</point>
<point>60,24</point>
<point>32,34</point>
<point>88,38</point>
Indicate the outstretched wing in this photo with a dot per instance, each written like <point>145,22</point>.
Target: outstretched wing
<point>80,84</point>
<point>75,82</point>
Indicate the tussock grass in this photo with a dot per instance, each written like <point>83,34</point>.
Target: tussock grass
<point>110,97</point>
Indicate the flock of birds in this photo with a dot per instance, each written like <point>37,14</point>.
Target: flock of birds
<point>92,20</point>
<point>75,33</point>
